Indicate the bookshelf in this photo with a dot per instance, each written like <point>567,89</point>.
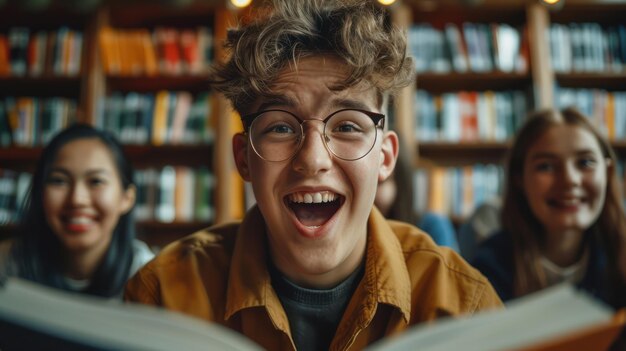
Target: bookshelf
<point>95,86</point>
<point>44,74</point>
<point>464,81</point>
<point>542,82</point>
<point>539,82</point>
<point>588,42</point>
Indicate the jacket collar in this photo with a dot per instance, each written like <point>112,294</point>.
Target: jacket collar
<point>386,273</point>
<point>386,279</point>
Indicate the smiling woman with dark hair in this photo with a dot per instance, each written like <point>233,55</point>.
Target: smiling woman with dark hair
<point>77,231</point>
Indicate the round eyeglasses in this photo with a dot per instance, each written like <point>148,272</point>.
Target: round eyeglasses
<point>277,135</point>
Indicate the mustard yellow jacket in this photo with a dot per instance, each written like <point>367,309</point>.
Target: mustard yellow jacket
<point>220,275</point>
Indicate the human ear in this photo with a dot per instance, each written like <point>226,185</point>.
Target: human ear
<point>128,198</point>
<point>389,155</point>
<point>240,152</point>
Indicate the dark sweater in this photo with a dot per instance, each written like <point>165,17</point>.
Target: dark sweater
<point>494,259</point>
<point>314,314</point>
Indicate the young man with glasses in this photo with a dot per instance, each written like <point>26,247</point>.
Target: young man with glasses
<point>314,266</point>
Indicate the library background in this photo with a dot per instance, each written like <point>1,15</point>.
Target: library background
<point>138,68</point>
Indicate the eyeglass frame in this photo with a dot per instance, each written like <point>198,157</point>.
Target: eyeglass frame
<point>377,118</point>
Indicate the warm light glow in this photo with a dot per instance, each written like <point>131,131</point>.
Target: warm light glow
<point>240,3</point>
<point>386,2</point>
<point>551,2</point>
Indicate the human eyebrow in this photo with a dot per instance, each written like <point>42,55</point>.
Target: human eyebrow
<point>351,104</point>
<point>542,156</point>
<point>57,176</point>
<point>97,172</point>
<point>585,152</point>
<point>277,101</point>
<point>58,171</point>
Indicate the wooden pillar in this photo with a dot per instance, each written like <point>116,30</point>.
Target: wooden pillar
<point>542,73</point>
<point>405,98</point>
<point>229,201</point>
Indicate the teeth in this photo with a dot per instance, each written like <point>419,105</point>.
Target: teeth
<point>79,220</point>
<point>312,198</point>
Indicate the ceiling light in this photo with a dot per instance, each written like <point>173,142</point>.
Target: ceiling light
<point>240,3</point>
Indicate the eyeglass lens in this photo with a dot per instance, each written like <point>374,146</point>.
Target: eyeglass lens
<point>277,135</point>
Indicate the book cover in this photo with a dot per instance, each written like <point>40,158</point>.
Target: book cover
<point>5,57</point>
<point>18,45</point>
<point>166,206</point>
<point>468,117</point>
<point>203,205</point>
<point>159,120</point>
<point>6,135</point>
<point>184,194</point>
<point>507,41</point>
<point>457,48</point>
<point>180,115</point>
<point>107,38</point>
<point>150,61</point>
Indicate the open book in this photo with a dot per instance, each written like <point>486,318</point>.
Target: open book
<point>34,317</point>
<point>558,318</point>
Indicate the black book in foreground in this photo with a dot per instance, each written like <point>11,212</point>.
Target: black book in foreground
<point>34,317</point>
<point>560,318</point>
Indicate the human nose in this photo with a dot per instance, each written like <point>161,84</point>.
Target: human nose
<point>571,174</point>
<point>313,156</point>
<point>79,194</point>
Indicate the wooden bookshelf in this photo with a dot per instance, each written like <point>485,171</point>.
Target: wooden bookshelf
<point>93,84</point>
<point>461,154</point>
<point>440,83</point>
<point>538,82</point>
<point>194,84</point>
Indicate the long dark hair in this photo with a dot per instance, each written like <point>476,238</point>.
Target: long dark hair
<point>37,250</point>
<point>609,230</point>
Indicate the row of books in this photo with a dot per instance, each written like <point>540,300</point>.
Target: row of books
<point>470,47</point>
<point>13,188</point>
<point>175,194</point>
<point>167,117</point>
<point>607,109</point>
<point>30,121</point>
<point>455,191</point>
<point>170,194</point>
<point>42,52</point>
<point>587,47</point>
<point>469,115</point>
<point>165,50</point>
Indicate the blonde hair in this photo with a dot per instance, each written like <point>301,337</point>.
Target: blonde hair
<point>358,32</point>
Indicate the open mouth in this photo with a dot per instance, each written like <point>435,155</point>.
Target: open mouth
<point>313,209</point>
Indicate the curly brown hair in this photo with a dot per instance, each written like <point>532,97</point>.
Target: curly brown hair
<point>358,32</point>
